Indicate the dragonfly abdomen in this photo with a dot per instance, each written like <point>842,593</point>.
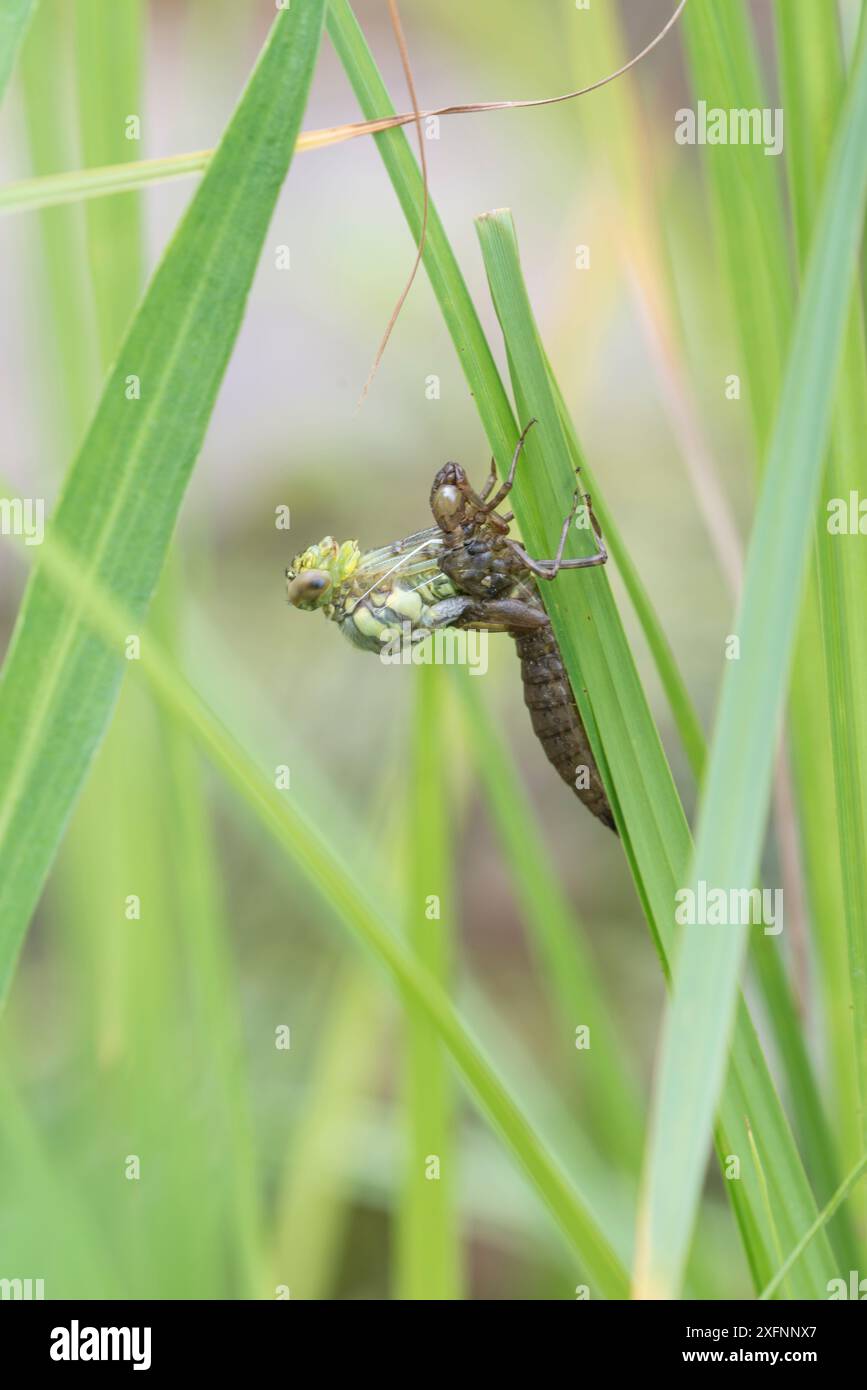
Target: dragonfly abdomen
<point>556,721</point>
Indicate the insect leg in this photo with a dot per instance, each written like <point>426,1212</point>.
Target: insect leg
<point>492,478</point>
<point>507,485</point>
<point>505,615</point>
<point>549,569</point>
<point>449,612</point>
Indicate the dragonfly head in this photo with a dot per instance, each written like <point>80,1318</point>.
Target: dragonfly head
<point>313,576</point>
<point>453,502</point>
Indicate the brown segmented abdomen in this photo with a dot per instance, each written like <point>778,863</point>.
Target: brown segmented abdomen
<point>556,721</point>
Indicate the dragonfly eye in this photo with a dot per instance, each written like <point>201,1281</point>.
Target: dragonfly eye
<point>447,504</point>
<point>306,589</point>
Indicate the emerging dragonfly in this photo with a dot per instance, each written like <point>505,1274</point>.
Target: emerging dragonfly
<point>466,571</point>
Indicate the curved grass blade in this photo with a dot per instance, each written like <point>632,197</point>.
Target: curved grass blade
<point>734,805</point>
<point>121,498</point>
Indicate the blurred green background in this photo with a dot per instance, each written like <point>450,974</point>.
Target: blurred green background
<point>265,1169</point>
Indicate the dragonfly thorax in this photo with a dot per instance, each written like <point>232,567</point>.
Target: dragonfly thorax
<point>482,566</point>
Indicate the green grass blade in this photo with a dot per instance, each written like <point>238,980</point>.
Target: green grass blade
<point>724,63</point>
<point>29,1167</point>
<point>809,1110</point>
<point>108,42</point>
<point>73,374</point>
<point>581,607</point>
<point>848,1184</point>
<point>439,259</point>
<point>734,805</point>
<point>747,198</point>
<point>78,185</point>
<point>746,194</point>
<point>475,355</point>
<point>682,708</point>
<point>428,1248</point>
<point>213,971</point>
<point>749,1092</point>
<point>766,1196</point>
<point>612,124</point>
<point>609,1086</point>
<point>14,19</point>
<point>258,723</point>
<point>812,1122</point>
<point>813,89</point>
<point>121,498</point>
<point>313,1203</point>
<point>309,846</point>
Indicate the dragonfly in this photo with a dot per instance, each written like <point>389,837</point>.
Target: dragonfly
<point>465,571</point>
